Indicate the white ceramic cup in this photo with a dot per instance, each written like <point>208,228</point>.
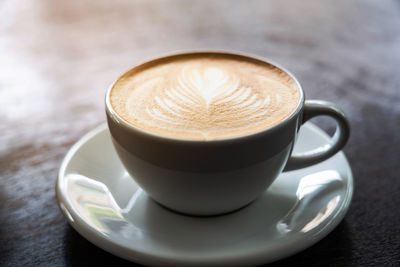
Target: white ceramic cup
<point>219,176</point>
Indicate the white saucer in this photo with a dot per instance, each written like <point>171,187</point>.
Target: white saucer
<point>104,204</point>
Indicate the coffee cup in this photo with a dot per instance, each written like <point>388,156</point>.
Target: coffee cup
<point>206,133</point>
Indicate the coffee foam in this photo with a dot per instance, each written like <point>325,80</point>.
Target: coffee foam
<point>204,97</point>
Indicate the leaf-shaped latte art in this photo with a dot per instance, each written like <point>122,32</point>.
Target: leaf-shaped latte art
<point>206,99</point>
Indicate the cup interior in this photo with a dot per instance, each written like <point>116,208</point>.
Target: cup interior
<point>111,112</point>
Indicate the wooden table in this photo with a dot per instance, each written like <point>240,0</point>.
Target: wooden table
<point>57,58</point>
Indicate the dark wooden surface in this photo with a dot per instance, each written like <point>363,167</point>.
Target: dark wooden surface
<point>57,58</point>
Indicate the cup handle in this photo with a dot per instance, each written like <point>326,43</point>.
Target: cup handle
<point>313,108</point>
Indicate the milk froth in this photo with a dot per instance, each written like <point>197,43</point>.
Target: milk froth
<point>204,96</point>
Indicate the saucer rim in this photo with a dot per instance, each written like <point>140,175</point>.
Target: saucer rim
<point>255,257</point>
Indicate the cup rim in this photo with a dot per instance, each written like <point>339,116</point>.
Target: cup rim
<point>122,122</point>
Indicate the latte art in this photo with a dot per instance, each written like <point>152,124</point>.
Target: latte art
<point>197,97</point>
<point>205,98</point>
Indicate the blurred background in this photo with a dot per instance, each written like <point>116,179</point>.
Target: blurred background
<point>57,58</point>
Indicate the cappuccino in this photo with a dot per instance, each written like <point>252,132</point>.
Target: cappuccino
<point>204,96</point>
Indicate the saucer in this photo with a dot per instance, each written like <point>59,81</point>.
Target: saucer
<point>105,205</point>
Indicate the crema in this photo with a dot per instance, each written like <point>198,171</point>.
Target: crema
<point>204,96</point>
